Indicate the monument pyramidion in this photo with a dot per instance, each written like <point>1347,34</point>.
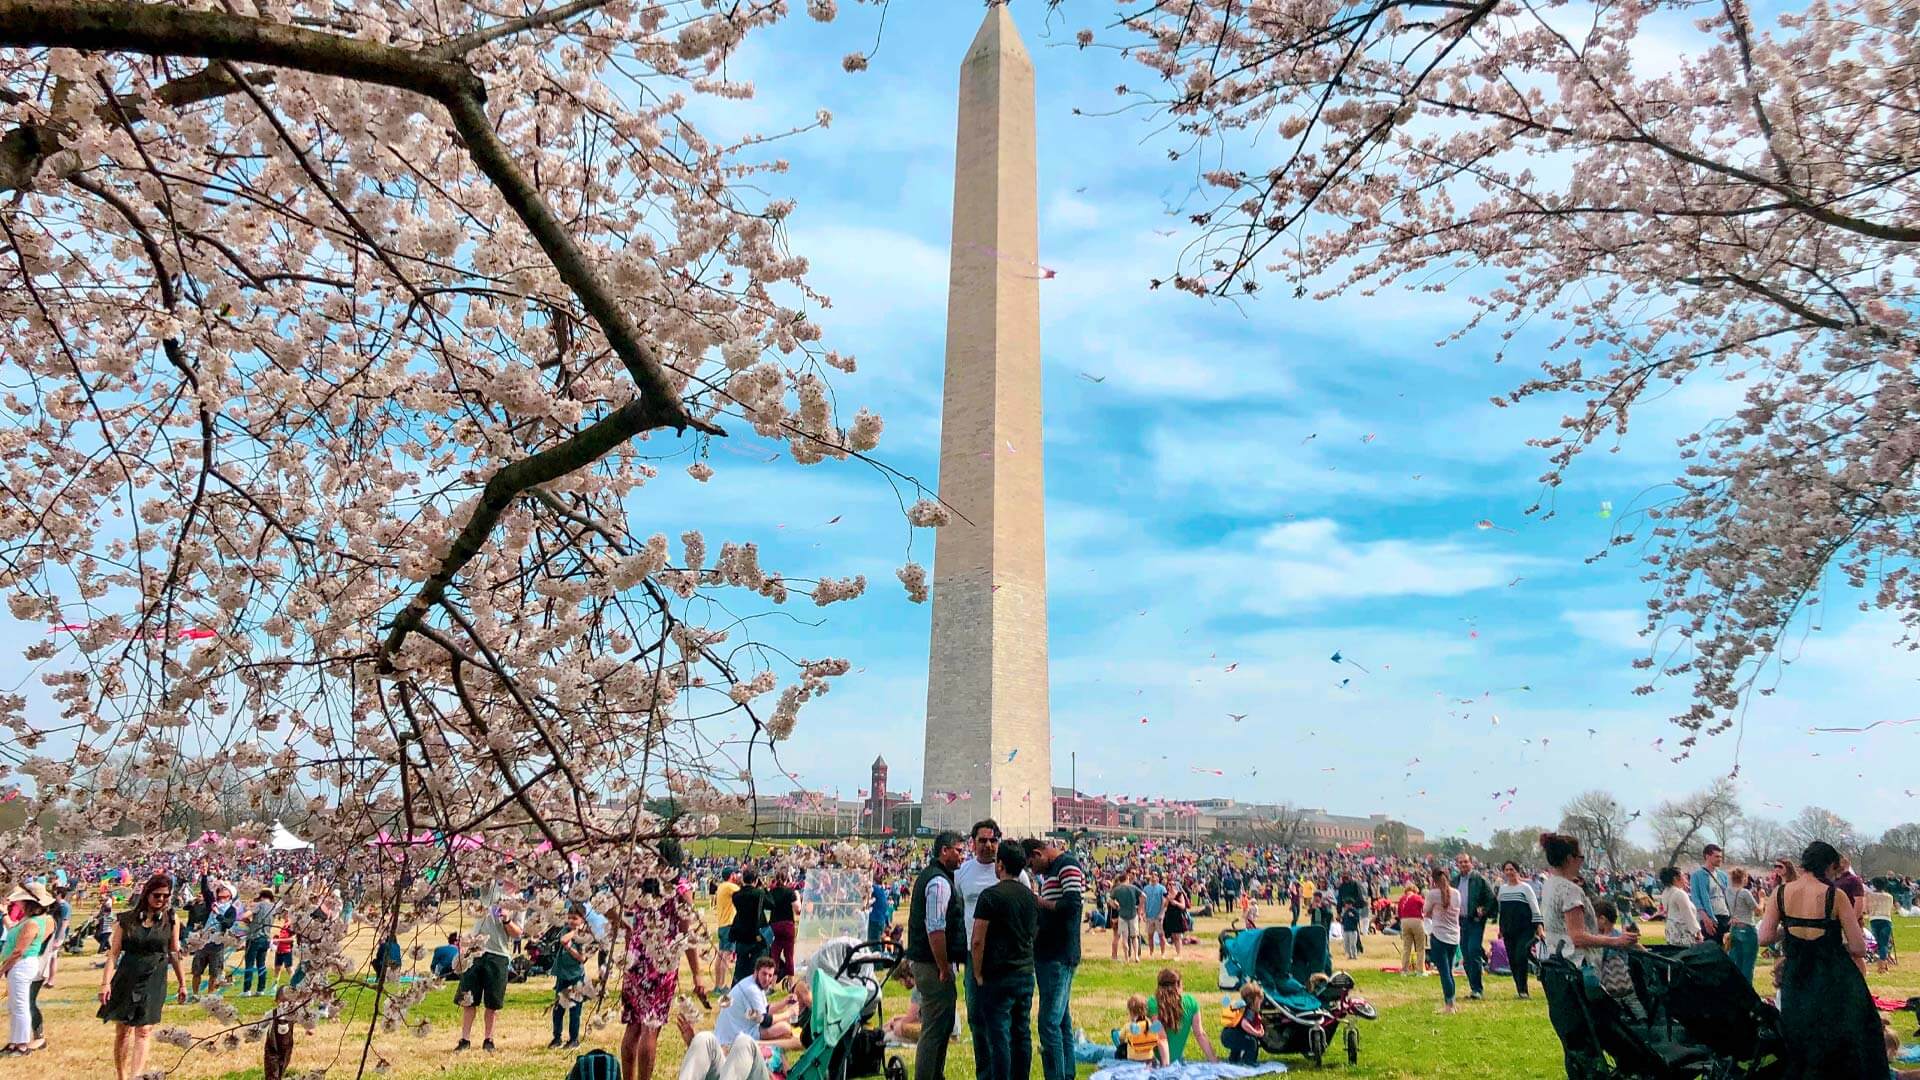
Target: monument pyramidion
<point>988,738</point>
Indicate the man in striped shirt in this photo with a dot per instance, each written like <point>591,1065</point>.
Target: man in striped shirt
<point>1056,950</point>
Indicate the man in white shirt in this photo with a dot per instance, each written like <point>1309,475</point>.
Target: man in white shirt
<point>746,1004</point>
<point>974,877</point>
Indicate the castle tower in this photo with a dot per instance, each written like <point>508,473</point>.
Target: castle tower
<point>987,748</point>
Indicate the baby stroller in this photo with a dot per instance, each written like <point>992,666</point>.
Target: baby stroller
<point>1297,1020</point>
<point>844,1027</point>
<point>1701,1020</point>
<point>540,953</point>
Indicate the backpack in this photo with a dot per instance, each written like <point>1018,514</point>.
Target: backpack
<point>595,1065</point>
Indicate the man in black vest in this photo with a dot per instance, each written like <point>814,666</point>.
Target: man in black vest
<point>927,945</point>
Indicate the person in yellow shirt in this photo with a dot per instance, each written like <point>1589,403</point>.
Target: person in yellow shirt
<point>1307,889</point>
<point>723,918</point>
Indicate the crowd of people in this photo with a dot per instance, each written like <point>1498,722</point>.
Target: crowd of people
<point>990,923</point>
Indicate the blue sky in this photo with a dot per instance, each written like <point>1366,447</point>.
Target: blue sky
<point>1192,523</point>
<point>1189,526</point>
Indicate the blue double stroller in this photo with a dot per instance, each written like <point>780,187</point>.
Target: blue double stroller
<point>1286,961</point>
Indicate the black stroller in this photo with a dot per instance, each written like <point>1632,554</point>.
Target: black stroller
<point>1698,1019</point>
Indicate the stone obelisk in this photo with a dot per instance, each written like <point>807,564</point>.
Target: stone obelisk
<point>988,738</point>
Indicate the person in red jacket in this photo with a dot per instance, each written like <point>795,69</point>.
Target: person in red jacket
<point>1413,932</point>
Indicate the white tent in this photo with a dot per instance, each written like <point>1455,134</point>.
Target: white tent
<point>283,840</point>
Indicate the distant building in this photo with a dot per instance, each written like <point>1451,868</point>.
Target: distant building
<point>876,813</point>
<point>1075,809</point>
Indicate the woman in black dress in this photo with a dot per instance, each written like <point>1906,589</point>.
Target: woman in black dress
<point>1827,1017</point>
<point>133,985</point>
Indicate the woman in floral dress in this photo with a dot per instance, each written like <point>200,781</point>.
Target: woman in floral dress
<point>661,928</point>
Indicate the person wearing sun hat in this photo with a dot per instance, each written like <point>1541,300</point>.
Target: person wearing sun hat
<point>21,964</point>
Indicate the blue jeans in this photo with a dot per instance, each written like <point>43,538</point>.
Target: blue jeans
<point>1007,1005</point>
<point>1054,979</point>
<point>1242,1048</point>
<point>1443,954</point>
<point>571,1013</point>
<point>254,965</point>
<point>1472,932</point>
<point>1743,948</point>
<point>976,1022</point>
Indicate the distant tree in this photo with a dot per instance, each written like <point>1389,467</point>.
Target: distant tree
<point>1677,823</point>
<point>1284,826</point>
<point>1390,838</point>
<point>1600,821</point>
<point>1521,844</point>
<point>1760,839</point>
<point>1819,823</point>
<point>1897,852</point>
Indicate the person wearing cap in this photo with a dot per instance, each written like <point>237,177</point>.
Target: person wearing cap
<point>21,965</point>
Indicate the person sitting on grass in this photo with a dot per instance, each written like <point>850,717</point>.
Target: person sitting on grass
<point>904,1029</point>
<point>1244,1028</point>
<point>1142,1038</point>
<point>1178,1012</point>
<point>445,958</point>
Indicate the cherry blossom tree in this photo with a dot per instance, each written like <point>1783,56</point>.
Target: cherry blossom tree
<point>1748,214</point>
<point>341,342</point>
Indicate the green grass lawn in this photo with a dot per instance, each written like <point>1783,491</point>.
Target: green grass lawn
<point>1499,1037</point>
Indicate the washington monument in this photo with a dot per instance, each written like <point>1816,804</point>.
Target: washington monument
<point>988,751</point>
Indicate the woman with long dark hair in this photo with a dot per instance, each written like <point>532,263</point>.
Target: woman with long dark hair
<point>1830,1026</point>
<point>133,985</point>
<point>1520,921</point>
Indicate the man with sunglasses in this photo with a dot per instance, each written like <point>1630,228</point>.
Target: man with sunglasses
<point>976,876</point>
<point>935,936</point>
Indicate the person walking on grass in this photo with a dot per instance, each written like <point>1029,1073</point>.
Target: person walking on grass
<point>1123,903</point>
<point>1707,888</point>
<point>21,965</point>
<point>660,930</point>
<point>749,934</point>
<point>253,966</point>
<point>1004,923</point>
<point>783,905</point>
<point>1443,927</point>
<point>569,972</point>
<point>1154,910</point>
<point>1478,904</point>
<point>133,984</point>
<point>1520,922</point>
<point>934,927</point>
<point>484,983</point>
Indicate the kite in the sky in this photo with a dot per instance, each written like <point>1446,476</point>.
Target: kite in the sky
<point>1338,659</point>
<point>1233,665</point>
<point>1862,730</point>
<point>1093,378</point>
<point>1606,509</point>
<point>1484,524</point>
<point>1309,438</point>
<point>1236,717</point>
<point>1209,772</point>
<point>1368,437</point>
